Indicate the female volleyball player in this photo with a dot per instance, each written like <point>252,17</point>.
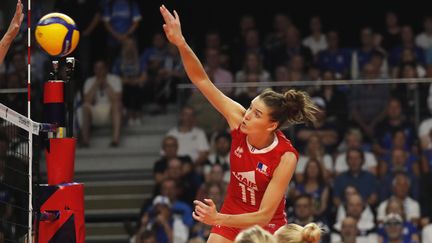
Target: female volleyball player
<point>12,31</point>
<point>262,159</point>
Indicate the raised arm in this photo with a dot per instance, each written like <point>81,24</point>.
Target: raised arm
<point>206,213</point>
<point>231,110</point>
<point>12,31</point>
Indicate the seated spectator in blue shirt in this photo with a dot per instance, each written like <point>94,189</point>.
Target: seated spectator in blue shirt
<point>364,181</point>
<point>395,229</point>
<point>335,58</point>
<point>408,42</point>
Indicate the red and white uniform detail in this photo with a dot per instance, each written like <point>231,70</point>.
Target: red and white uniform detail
<point>251,171</point>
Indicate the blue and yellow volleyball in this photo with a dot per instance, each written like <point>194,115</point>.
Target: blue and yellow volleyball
<point>57,34</point>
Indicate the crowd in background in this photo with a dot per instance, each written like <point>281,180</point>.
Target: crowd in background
<point>363,170</point>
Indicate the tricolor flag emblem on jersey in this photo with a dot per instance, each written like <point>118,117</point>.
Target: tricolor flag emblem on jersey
<point>262,168</point>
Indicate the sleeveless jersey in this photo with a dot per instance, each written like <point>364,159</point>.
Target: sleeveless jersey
<point>251,172</point>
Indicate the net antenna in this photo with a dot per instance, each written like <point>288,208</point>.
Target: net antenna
<point>30,135</point>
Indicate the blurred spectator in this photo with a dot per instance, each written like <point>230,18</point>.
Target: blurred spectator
<point>349,233</point>
<point>336,103</point>
<point>353,140</point>
<point>245,95</point>
<point>391,33</point>
<point>394,120</point>
<point>221,155</point>
<point>121,19</point>
<point>275,39</point>
<point>143,235</point>
<point>169,151</point>
<point>395,206</point>
<point>130,70</point>
<point>215,175</point>
<point>316,41</point>
<point>252,65</point>
<point>314,184</point>
<point>192,140</point>
<point>362,55</point>
<point>364,181</point>
<point>251,44</point>
<point>360,211</point>
<point>213,40</point>
<point>304,214</point>
<point>216,73</point>
<point>367,103</point>
<point>157,51</point>
<point>291,46</point>
<point>326,130</point>
<point>401,185</point>
<point>246,23</point>
<point>102,103</point>
<point>424,39</point>
<point>296,68</point>
<point>407,42</point>
<point>314,151</point>
<point>334,58</point>
<point>394,231</point>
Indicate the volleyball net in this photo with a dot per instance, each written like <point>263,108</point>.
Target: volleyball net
<point>16,175</point>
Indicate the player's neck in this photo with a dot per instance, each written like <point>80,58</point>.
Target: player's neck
<point>261,141</point>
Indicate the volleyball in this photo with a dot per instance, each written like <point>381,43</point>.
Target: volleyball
<point>57,34</point>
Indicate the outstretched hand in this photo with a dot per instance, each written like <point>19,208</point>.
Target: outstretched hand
<point>172,26</point>
<point>205,213</point>
<point>16,21</point>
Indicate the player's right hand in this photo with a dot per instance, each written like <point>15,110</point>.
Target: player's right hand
<point>172,26</point>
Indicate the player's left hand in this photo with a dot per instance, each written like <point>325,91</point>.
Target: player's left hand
<point>205,213</point>
<point>16,20</point>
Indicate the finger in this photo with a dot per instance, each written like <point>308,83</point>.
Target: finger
<point>177,17</point>
<point>200,211</point>
<point>199,203</point>
<point>210,202</point>
<point>196,217</point>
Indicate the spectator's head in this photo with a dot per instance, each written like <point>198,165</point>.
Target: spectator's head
<point>100,69</point>
<point>212,58</point>
<point>281,73</point>
<point>353,139</point>
<point>314,145</point>
<point>377,59</point>
<point>159,41</point>
<point>187,117</point>
<point>366,35</point>
<point>401,185</point>
<point>393,226</point>
<point>170,146</point>
<point>247,22</point>
<point>213,40</point>
<point>395,206</point>
<point>255,234</point>
<point>215,192</point>
<point>187,167</point>
<point>333,40</point>
<point>169,189</point>
<point>253,63</point>
<point>292,37</point>
<point>391,19</point>
<point>370,71</point>
<point>313,73</point>
<point>252,78</point>
<point>399,139</point>
<point>313,171</point>
<point>174,168</point>
<point>354,206</point>
<point>407,56</point>
<point>223,143</point>
<point>349,229</point>
<point>294,233</point>
<point>315,24</point>
<point>216,174</point>
<point>399,159</point>
<point>349,191</point>
<point>296,63</point>
<point>320,103</point>
<point>394,109</point>
<point>408,70</point>
<point>162,205</point>
<point>252,38</point>
<point>281,22</point>
<point>407,34</point>
<point>303,208</point>
<point>355,160</point>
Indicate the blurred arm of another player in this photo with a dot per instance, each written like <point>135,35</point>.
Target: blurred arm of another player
<point>12,31</point>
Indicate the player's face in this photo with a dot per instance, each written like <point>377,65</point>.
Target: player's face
<point>257,120</point>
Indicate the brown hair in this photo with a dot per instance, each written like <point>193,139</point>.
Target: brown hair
<point>294,233</point>
<point>255,234</point>
<point>292,107</point>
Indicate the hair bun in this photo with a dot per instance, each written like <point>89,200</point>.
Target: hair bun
<point>311,233</point>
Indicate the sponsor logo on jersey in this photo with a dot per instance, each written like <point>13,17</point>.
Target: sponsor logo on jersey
<point>262,168</point>
<point>247,178</point>
<point>238,151</point>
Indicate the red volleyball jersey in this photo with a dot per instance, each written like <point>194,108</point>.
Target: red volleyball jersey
<point>251,172</point>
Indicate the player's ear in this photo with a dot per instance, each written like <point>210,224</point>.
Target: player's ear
<point>273,126</point>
